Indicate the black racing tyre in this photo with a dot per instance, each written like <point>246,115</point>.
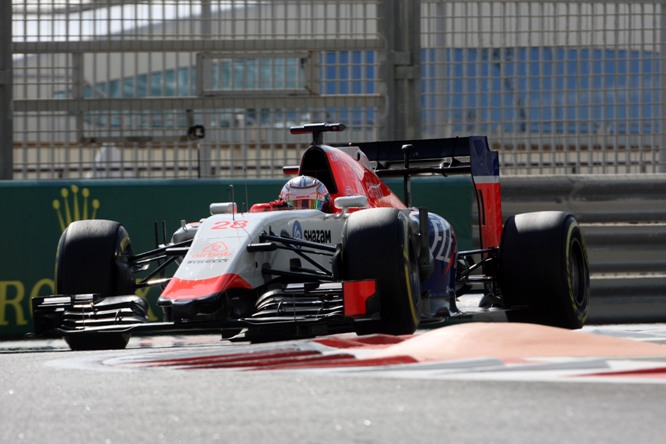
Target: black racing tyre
<point>544,268</point>
<point>92,258</point>
<point>98,341</point>
<point>380,244</point>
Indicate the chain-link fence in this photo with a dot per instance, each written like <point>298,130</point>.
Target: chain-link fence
<point>560,87</point>
<point>106,88</point>
<point>111,89</point>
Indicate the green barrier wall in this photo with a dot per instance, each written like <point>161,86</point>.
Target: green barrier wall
<point>34,215</point>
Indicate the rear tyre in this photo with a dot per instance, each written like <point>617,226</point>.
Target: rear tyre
<point>92,258</point>
<point>544,269</point>
<point>380,244</point>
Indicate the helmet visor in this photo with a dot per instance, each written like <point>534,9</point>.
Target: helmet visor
<point>306,204</point>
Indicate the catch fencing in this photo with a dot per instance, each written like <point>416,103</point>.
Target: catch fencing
<point>125,89</point>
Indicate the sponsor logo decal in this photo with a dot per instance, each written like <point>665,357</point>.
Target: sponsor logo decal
<point>373,188</point>
<point>208,261</point>
<point>73,207</point>
<point>319,236</point>
<point>214,250</point>
<point>440,243</point>
<point>297,231</point>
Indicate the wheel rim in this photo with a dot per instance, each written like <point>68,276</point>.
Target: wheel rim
<point>414,276</point>
<point>577,273</point>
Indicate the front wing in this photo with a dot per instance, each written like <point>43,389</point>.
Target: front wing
<point>297,310</point>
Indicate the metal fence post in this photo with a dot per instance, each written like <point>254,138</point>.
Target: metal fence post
<point>6,85</point>
<point>662,89</point>
<point>400,23</point>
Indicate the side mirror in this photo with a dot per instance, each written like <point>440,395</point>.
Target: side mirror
<point>223,208</point>
<point>346,202</point>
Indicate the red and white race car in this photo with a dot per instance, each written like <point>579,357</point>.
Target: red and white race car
<point>338,252</point>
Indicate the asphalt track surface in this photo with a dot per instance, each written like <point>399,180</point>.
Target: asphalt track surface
<point>477,382</point>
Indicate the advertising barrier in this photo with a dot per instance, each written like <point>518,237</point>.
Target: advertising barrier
<point>35,213</point>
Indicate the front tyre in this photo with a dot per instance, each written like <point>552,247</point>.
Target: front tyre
<point>93,257</point>
<point>381,244</point>
<point>544,269</point>
<point>98,341</point>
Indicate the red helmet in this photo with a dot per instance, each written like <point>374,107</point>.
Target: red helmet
<point>305,192</point>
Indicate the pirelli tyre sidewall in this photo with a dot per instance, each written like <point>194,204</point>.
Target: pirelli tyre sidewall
<point>92,258</point>
<point>544,269</point>
<point>380,244</point>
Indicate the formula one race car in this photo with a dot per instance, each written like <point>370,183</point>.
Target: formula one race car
<point>338,252</point>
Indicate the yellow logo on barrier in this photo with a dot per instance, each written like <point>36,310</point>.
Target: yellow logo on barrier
<point>79,207</point>
<point>73,206</point>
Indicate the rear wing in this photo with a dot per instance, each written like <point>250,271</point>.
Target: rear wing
<point>446,157</point>
<point>451,156</point>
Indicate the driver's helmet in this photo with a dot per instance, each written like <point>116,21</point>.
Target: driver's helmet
<point>305,192</point>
